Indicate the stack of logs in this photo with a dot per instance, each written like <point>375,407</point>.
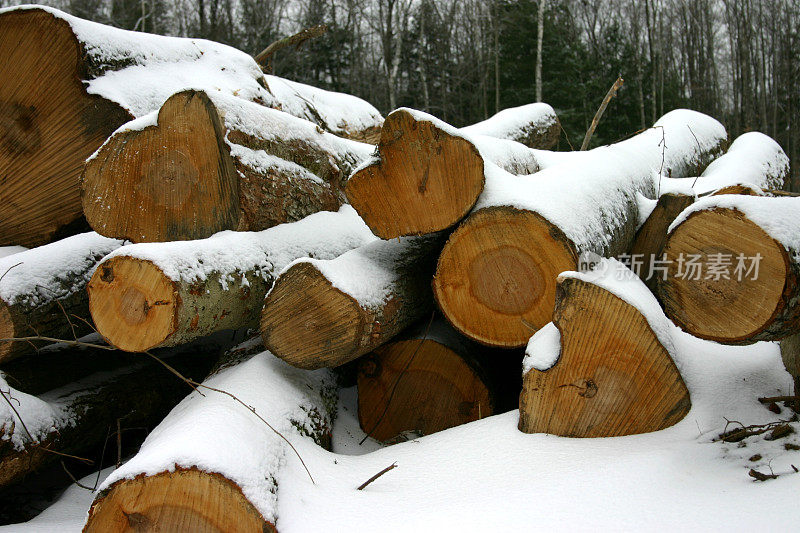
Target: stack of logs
<point>430,261</point>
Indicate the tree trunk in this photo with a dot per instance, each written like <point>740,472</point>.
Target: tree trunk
<point>428,175</point>
<point>202,165</point>
<point>165,294</point>
<point>212,464</point>
<point>495,281</point>
<point>43,292</point>
<point>75,419</point>
<point>68,84</point>
<point>599,370</point>
<point>432,379</point>
<point>327,313</point>
<point>734,273</point>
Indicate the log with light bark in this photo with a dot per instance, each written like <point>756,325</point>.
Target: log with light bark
<point>67,85</point>
<point>429,380</point>
<point>43,292</point>
<point>215,465</point>
<point>534,125</point>
<point>76,418</point>
<point>427,175</point>
<point>495,280</point>
<point>602,367</point>
<point>342,114</point>
<point>327,313</point>
<point>206,162</point>
<point>734,269</point>
<point>166,294</point>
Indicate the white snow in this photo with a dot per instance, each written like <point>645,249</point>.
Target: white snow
<point>55,270</point>
<point>40,417</point>
<point>778,217</point>
<point>515,122</point>
<point>324,234</point>
<point>342,113</point>
<point>5,251</point>
<point>543,349</point>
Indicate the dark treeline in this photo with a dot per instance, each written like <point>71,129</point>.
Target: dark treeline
<point>462,60</point>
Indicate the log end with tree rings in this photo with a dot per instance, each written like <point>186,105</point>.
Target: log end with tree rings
<point>133,304</point>
<point>421,386</point>
<point>308,322</point>
<point>177,176</point>
<point>182,500</point>
<point>728,280</point>
<point>613,376</point>
<point>49,125</point>
<point>425,180</point>
<point>496,277</point>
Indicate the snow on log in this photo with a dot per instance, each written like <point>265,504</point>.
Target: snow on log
<point>495,280</point>
<point>604,366</point>
<point>206,162</point>
<point>75,418</point>
<point>734,269</point>
<point>43,291</point>
<point>342,114</point>
<point>67,85</point>
<point>165,294</point>
<point>534,125</point>
<point>428,174</point>
<point>327,313</point>
<point>428,380</point>
<point>213,464</point>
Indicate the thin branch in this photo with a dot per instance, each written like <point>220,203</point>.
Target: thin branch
<point>9,270</point>
<point>376,476</point>
<point>612,92</point>
<point>264,58</point>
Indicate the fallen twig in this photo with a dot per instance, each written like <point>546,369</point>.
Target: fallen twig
<point>596,120</point>
<point>376,476</point>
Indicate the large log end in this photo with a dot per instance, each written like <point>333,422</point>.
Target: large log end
<point>425,180</point>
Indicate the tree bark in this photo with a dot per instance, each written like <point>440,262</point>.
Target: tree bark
<point>495,280</point>
<point>327,313</point>
<point>43,292</point>
<point>611,375</point>
<point>713,300</point>
<point>228,453</point>
<point>166,294</point>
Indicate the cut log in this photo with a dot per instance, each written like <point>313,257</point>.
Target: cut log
<point>534,125</point>
<point>599,369</point>
<point>76,418</point>
<point>205,164</point>
<point>734,269</point>
<point>67,85</point>
<point>428,175</point>
<point>212,464</point>
<point>326,313</point>
<point>342,114</point>
<point>495,280</point>
<point>166,294</point>
<point>43,292</point>
<point>429,380</point>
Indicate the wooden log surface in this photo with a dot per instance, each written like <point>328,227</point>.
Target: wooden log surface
<point>534,125</point>
<point>43,292</point>
<point>495,279</point>
<point>599,369</point>
<point>212,464</point>
<point>734,273</point>
<point>165,294</point>
<point>327,313</point>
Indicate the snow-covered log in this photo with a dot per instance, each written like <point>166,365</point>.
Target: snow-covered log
<point>43,291</point>
<point>428,380</point>
<point>534,125</point>
<point>207,162</point>
<point>495,280</point>
<point>428,175</point>
<point>734,269</point>
<point>67,85</point>
<point>342,114</point>
<point>603,367</point>
<point>75,418</point>
<point>327,313</point>
<point>165,294</point>
<point>215,465</point>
